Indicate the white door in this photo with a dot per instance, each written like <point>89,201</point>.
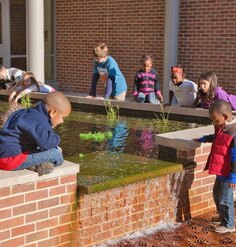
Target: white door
<point>5,33</point>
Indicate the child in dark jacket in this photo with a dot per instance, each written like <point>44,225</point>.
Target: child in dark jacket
<point>222,163</point>
<point>146,83</point>
<point>27,138</point>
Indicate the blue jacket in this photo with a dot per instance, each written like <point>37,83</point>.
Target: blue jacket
<point>116,82</point>
<point>27,130</point>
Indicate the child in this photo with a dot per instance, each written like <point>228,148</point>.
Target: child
<point>107,69</point>
<point>27,138</point>
<point>209,92</point>
<point>222,163</point>
<point>10,77</point>
<point>28,85</point>
<point>184,90</point>
<point>146,83</point>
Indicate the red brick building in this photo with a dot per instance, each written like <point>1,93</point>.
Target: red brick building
<point>206,37</point>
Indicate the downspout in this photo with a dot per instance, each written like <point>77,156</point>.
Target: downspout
<point>35,38</point>
<point>170,42</point>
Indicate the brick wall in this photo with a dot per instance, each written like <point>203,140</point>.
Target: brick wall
<point>130,28</point>
<point>207,39</point>
<point>38,214</point>
<point>46,213</point>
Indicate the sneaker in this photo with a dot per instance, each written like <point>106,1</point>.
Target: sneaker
<point>32,168</point>
<point>216,219</point>
<point>223,229</point>
<point>44,168</point>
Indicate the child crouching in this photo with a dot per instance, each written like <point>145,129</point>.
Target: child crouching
<point>27,138</point>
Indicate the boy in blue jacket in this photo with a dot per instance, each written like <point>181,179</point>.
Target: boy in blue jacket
<point>222,163</point>
<point>27,138</point>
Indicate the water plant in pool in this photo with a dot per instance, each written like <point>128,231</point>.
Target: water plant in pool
<point>112,111</point>
<point>97,136</point>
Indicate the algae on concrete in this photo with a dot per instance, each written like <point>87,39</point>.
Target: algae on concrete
<point>105,170</point>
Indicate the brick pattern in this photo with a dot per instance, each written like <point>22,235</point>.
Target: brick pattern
<point>196,189</point>
<point>41,212</point>
<point>46,213</point>
<point>207,39</point>
<point>114,213</point>
<point>130,28</point>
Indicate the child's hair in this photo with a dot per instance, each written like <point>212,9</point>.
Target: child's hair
<point>30,80</point>
<point>144,58</point>
<point>178,69</point>
<point>222,107</point>
<point>1,67</point>
<point>101,50</point>
<point>212,78</point>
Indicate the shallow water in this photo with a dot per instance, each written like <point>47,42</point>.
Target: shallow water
<point>130,135</point>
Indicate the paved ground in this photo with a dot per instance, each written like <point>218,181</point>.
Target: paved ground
<point>197,232</point>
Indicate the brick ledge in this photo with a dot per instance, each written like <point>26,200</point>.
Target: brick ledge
<point>10,178</point>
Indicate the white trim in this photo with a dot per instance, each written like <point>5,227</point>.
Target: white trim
<point>170,43</point>
<point>5,46</point>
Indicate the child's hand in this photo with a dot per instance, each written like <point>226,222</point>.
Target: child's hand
<point>160,97</point>
<point>100,98</point>
<point>90,97</point>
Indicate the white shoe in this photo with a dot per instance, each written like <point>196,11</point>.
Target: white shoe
<point>223,229</point>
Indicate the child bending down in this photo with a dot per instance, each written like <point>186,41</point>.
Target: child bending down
<point>182,91</point>
<point>146,83</point>
<point>222,163</point>
<point>29,84</point>
<point>27,138</point>
<point>108,72</point>
<point>209,92</point>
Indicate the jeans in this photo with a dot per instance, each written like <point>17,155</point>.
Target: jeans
<point>224,201</point>
<point>53,155</point>
<point>150,98</point>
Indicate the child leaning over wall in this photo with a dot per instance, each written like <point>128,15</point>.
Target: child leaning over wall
<point>27,138</point>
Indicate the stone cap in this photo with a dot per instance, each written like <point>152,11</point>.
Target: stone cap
<point>183,139</point>
<point>10,178</point>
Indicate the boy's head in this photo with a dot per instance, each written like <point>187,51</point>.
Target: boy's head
<point>220,112</point>
<point>178,74</point>
<point>3,72</point>
<point>146,63</point>
<point>58,107</point>
<point>100,52</point>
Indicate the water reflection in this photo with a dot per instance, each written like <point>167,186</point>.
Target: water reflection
<point>118,141</point>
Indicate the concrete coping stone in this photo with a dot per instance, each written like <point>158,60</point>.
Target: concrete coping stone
<point>183,139</point>
<point>11,178</point>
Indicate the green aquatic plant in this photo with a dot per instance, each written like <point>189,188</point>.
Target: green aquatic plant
<point>97,136</point>
<point>26,101</point>
<point>112,111</point>
<point>162,121</point>
<point>81,155</point>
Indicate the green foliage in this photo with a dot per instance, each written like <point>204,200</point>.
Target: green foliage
<point>81,155</point>
<point>26,101</point>
<point>112,111</point>
<point>162,121</point>
<point>97,136</point>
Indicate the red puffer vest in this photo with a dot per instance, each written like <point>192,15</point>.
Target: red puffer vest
<point>219,162</point>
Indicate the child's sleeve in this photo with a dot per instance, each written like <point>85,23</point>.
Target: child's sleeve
<point>157,86</point>
<point>93,87</point>
<point>232,175</point>
<point>206,138</point>
<point>135,86</point>
<point>108,89</point>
